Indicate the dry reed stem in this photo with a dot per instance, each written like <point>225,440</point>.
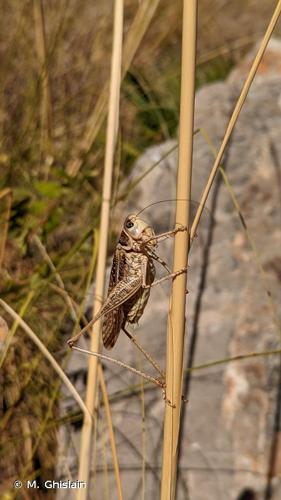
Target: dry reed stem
<point>176,319</point>
<point>143,437</point>
<point>111,433</point>
<point>111,136</point>
<point>251,241</point>
<point>105,471</point>
<point>249,237</point>
<point>225,49</point>
<point>27,440</point>
<point>45,112</point>
<point>5,193</point>
<point>13,329</point>
<point>234,117</point>
<point>46,353</point>
<point>239,357</point>
<point>57,276</point>
<point>134,37</point>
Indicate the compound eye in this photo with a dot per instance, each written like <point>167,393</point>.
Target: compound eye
<point>129,224</point>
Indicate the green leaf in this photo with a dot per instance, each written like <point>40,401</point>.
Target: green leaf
<point>38,207</point>
<point>49,189</point>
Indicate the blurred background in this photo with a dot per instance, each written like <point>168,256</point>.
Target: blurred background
<point>54,78</point>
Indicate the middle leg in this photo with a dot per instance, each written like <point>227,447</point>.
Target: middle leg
<point>145,353</point>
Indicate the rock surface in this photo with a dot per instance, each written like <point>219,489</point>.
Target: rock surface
<point>230,423</point>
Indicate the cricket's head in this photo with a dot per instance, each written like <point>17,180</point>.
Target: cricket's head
<point>137,231</point>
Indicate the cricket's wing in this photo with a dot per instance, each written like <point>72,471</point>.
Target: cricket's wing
<point>112,310</point>
<point>111,326</point>
<point>117,269</point>
<point>112,321</point>
<point>123,291</point>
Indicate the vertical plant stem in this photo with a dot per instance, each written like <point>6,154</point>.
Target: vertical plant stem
<point>176,321</point>
<point>134,37</point>
<point>143,436</point>
<point>111,433</point>
<point>235,114</point>
<point>14,328</point>
<point>4,223</point>
<point>40,42</point>
<point>111,135</point>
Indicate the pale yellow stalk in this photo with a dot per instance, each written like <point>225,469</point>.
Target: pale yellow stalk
<point>134,37</point>
<point>176,321</point>
<point>45,103</point>
<point>111,433</point>
<point>4,223</point>
<point>235,114</point>
<point>111,135</point>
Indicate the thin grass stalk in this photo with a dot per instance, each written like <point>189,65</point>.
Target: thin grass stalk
<point>13,329</point>
<point>111,434</point>
<point>111,136</point>
<point>176,319</point>
<point>45,112</point>
<point>143,437</point>
<point>4,225</point>
<point>134,37</point>
<point>95,454</point>
<point>25,472</point>
<point>48,356</point>
<point>251,241</point>
<point>239,357</point>
<point>105,470</point>
<point>235,115</point>
<point>57,276</point>
<point>225,50</point>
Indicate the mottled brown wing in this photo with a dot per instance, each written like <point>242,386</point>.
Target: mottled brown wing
<point>111,326</point>
<point>119,291</point>
<point>112,321</point>
<point>117,269</point>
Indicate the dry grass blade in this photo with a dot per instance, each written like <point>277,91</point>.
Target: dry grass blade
<point>240,357</point>
<point>57,276</point>
<point>40,38</point>
<point>111,136</point>
<point>111,433</point>
<point>235,114</point>
<point>48,356</point>
<point>249,237</point>
<point>4,223</point>
<point>143,439</point>
<point>4,330</point>
<point>257,258</point>
<point>14,327</point>
<point>134,37</point>
<point>176,320</point>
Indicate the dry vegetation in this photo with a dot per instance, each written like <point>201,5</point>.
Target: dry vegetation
<point>53,70</point>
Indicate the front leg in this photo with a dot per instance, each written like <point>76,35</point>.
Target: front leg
<point>168,234</point>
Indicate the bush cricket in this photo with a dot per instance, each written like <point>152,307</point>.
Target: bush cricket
<point>131,278</point>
